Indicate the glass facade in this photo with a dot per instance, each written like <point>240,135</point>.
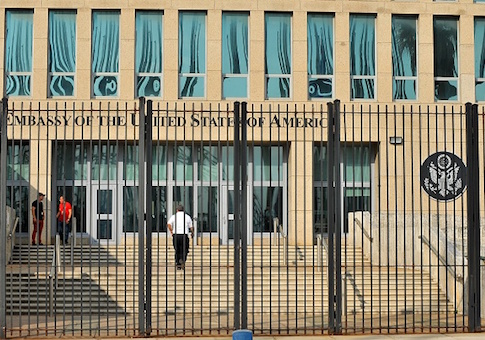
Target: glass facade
<point>200,177</point>
<point>320,55</point>
<point>235,41</point>
<point>18,52</point>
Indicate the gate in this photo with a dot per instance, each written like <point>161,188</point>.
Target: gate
<point>312,219</point>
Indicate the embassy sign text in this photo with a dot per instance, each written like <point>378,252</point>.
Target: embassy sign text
<point>192,120</point>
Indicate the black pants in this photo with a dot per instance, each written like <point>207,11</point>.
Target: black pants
<point>63,229</point>
<point>181,246</point>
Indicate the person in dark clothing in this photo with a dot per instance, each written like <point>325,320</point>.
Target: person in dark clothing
<point>180,225</point>
<point>38,218</point>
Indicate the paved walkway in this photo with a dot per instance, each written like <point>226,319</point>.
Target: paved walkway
<point>448,336</point>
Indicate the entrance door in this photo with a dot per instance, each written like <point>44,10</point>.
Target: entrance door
<point>104,212</point>
<point>228,217</point>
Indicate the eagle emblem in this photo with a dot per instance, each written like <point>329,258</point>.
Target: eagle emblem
<point>443,176</point>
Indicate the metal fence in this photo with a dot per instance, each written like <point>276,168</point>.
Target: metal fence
<point>309,219</point>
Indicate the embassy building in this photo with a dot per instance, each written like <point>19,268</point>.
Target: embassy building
<point>402,71</point>
<point>336,141</point>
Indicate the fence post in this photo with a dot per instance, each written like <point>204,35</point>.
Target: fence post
<point>330,217</point>
<point>334,219</point>
<point>473,218</point>
<point>3,213</point>
<point>338,220</point>
<point>244,216</point>
<point>149,214</point>
<point>141,218</point>
<point>237,215</point>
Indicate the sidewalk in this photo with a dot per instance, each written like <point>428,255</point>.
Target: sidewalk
<point>447,336</point>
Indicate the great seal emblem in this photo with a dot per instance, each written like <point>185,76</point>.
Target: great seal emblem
<point>443,176</point>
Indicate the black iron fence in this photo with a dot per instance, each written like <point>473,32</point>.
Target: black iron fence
<point>308,219</point>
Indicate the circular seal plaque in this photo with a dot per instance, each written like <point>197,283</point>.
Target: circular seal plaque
<point>443,176</point>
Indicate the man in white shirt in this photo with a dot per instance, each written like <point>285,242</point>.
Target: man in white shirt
<point>180,225</point>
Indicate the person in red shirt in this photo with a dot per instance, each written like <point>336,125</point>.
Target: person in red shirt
<point>63,216</point>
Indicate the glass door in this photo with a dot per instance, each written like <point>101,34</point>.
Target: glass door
<point>228,217</point>
<point>103,227</point>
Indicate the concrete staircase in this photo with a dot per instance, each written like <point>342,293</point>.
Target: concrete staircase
<point>104,280</point>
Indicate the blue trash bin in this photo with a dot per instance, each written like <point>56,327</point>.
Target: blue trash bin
<point>242,334</point>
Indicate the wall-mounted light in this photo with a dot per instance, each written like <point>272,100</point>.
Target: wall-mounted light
<point>395,140</point>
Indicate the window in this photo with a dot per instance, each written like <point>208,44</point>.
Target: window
<point>277,51</point>
<point>148,58</point>
<point>62,53</point>
<point>18,181</point>
<point>355,171</point>
<point>320,55</point>
<point>362,56</point>
<point>268,187</point>
<point>105,51</point>
<point>480,59</point>
<point>192,58</point>
<point>404,69</point>
<point>18,52</point>
<point>445,58</point>
<point>234,55</point>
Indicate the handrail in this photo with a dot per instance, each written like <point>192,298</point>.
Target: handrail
<point>366,234</point>
<point>279,232</point>
<point>73,238</point>
<point>440,258</point>
<point>12,229</point>
<point>55,267</point>
<point>321,243</point>
<point>10,236</point>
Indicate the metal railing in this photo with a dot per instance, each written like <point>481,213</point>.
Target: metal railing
<point>364,232</point>
<point>279,234</point>
<point>321,243</point>
<point>440,257</point>
<point>11,238</point>
<point>53,273</point>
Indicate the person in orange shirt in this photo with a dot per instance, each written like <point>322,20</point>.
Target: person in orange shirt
<point>63,216</point>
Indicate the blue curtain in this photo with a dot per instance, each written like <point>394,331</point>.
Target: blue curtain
<point>362,55</point>
<point>235,54</point>
<point>320,55</point>
<point>18,52</point>
<point>105,52</point>
<point>480,58</point>
<point>148,58</point>
<point>277,48</point>
<point>62,52</point>
<point>446,58</point>
<point>404,57</point>
<point>192,54</point>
